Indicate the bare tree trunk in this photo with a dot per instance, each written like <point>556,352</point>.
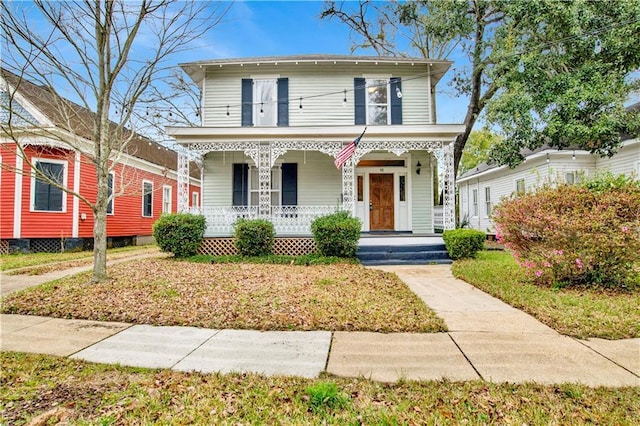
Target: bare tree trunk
<point>99,246</point>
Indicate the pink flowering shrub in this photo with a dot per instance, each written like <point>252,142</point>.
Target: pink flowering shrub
<point>587,234</point>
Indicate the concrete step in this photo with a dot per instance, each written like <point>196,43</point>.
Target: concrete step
<point>402,248</point>
<point>406,262</point>
<point>404,255</point>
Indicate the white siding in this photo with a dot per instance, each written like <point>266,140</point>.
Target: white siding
<point>502,182</point>
<point>222,87</point>
<point>319,182</point>
<point>218,175</point>
<point>625,161</point>
<point>421,194</point>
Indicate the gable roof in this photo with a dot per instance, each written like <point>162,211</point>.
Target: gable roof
<point>69,116</point>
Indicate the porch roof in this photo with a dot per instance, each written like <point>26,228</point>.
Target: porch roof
<point>428,132</point>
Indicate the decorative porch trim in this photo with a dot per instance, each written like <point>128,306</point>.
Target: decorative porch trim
<point>183,183</point>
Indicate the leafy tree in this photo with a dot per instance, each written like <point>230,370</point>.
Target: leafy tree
<point>532,62</point>
<point>477,149</point>
<point>568,69</point>
<point>107,55</point>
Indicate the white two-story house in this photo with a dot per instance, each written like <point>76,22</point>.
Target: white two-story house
<point>271,128</point>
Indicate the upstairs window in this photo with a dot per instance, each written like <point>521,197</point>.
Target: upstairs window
<point>47,195</point>
<point>265,102</point>
<point>265,108</point>
<point>378,101</point>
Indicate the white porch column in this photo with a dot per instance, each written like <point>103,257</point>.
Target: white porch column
<point>348,200</point>
<point>183,183</point>
<point>264,181</point>
<point>449,189</point>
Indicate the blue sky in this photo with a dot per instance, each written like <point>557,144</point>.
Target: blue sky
<point>271,28</point>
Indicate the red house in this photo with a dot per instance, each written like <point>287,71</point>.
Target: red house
<point>35,215</point>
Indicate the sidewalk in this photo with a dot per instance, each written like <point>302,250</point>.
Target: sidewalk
<point>488,340</point>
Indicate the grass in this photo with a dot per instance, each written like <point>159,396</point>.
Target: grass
<point>35,263</point>
<point>578,312</point>
<point>45,389</point>
<point>336,297</point>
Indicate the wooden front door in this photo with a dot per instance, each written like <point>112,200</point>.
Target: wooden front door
<point>381,202</point>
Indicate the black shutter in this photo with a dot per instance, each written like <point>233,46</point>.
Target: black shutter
<point>290,184</point>
<point>396,102</point>
<point>240,184</point>
<point>247,102</point>
<point>283,102</point>
<point>359,95</point>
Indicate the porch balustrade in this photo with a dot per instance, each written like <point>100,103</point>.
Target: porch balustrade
<point>287,220</point>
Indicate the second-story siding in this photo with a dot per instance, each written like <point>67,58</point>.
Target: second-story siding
<point>320,85</point>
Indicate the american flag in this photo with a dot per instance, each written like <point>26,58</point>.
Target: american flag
<point>345,154</point>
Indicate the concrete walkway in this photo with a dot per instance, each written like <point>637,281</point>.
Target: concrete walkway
<point>488,340</point>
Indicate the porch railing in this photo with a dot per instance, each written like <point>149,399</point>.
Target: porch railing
<point>287,220</point>
<point>438,217</point>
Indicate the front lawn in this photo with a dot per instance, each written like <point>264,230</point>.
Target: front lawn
<point>40,263</point>
<point>579,312</point>
<point>47,390</point>
<point>335,297</point>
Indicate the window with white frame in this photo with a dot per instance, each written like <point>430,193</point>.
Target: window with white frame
<point>572,177</point>
<point>265,105</point>
<point>377,101</point>
<point>246,187</point>
<point>46,183</point>
<point>166,199</point>
<point>147,199</point>
<point>195,199</point>
<point>110,181</point>
<point>487,200</point>
<point>520,188</point>
<point>474,193</point>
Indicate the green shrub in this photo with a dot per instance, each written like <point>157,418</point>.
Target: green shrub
<point>179,233</point>
<point>463,243</point>
<point>336,234</point>
<point>576,234</point>
<point>254,237</point>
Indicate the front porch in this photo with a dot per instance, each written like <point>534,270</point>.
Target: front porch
<point>290,180</point>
